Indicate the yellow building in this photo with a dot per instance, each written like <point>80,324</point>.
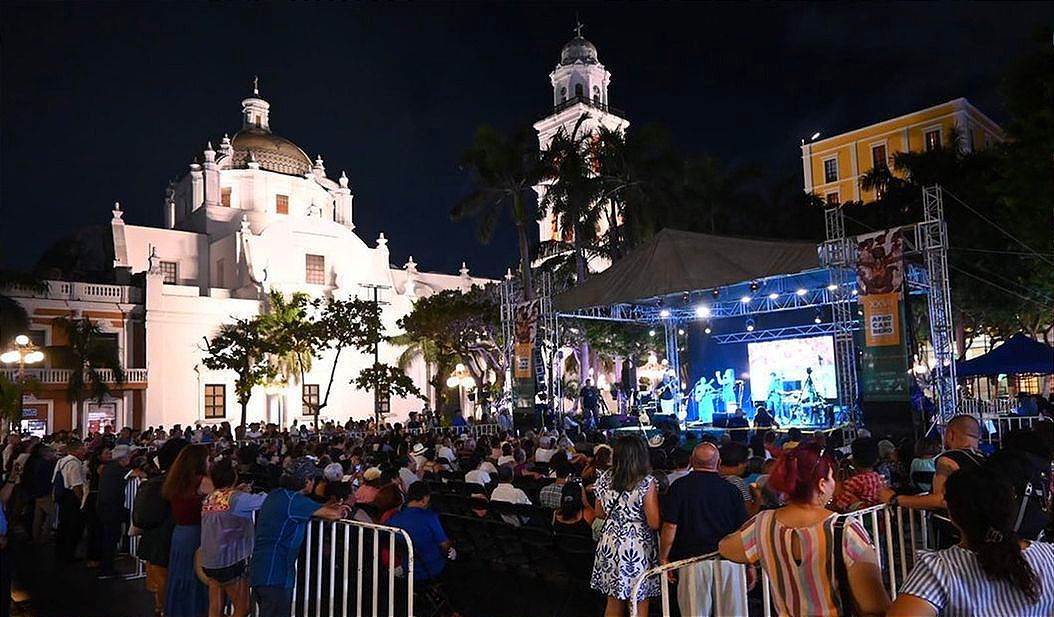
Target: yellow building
<point>832,166</point>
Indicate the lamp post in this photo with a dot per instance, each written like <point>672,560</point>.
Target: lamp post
<point>24,352</point>
<point>462,380</point>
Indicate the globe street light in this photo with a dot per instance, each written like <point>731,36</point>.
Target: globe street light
<point>24,353</point>
<point>461,379</point>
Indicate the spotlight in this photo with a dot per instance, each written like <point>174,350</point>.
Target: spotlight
<point>681,332</point>
<point>832,287</point>
<point>802,291</point>
<point>754,286</point>
<point>702,311</point>
<point>686,297</point>
<point>664,313</point>
<point>706,330</point>
<point>855,292</point>
<point>745,299</point>
<point>750,325</point>
<point>658,301</point>
<point>716,293</point>
<point>773,296</point>
<point>817,319</point>
<point>651,332</point>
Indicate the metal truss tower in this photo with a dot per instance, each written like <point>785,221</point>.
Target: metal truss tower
<point>838,256</point>
<point>934,234</point>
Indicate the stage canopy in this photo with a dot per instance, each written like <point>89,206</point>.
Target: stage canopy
<point>675,261</point>
<point>1018,355</point>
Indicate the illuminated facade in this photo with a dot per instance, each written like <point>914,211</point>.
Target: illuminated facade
<point>832,166</point>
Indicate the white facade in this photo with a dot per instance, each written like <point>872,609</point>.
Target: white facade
<point>580,94</point>
<point>257,215</point>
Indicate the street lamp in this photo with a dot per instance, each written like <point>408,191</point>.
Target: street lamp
<point>462,380</point>
<point>25,352</point>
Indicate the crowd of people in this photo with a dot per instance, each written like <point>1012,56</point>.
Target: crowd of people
<point>221,515</point>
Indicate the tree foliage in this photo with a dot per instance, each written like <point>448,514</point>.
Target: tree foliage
<point>87,353</point>
<point>381,377</point>
<point>242,347</point>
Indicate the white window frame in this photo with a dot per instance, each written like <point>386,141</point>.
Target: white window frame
<point>837,172</point>
<point>877,144</point>
<point>175,271</point>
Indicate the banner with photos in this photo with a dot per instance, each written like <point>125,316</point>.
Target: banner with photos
<point>884,360</point>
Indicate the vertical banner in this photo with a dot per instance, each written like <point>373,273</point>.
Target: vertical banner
<point>880,283</point>
<point>525,330</point>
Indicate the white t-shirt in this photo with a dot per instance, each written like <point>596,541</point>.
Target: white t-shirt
<point>510,494</point>
<point>544,455</point>
<point>506,460</point>
<point>408,477</point>
<point>71,469</point>
<point>447,453</point>
<point>488,467</point>
<point>477,476</point>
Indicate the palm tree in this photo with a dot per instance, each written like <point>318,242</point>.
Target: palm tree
<point>87,353</point>
<point>285,323</point>
<point>428,352</point>
<point>14,319</point>
<point>715,194</point>
<point>505,170</point>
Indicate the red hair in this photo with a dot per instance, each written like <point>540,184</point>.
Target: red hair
<point>798,470</point>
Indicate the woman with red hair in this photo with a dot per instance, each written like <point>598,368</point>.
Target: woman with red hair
<point>795,544</point>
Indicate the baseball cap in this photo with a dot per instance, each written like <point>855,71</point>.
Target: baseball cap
<point>371,474</point>
<point>333,472</point>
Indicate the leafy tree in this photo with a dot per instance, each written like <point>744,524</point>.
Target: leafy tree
<point>87,353</point>
<point>13,317</point>
<point>242,347</point>
<point>505,169</point>
<point>451,327</point>
<point>344,324</point>
<point>383,377</point>
<point>11,393</point>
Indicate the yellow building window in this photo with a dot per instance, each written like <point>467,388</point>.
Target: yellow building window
<point>878,157</point>
<point>832,199</point>
<point>933,140</point>
<point>830,170</point>
<point>281,204</point>
<point>225,197</point>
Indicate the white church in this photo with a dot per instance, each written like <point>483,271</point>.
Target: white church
<point>256,215</point>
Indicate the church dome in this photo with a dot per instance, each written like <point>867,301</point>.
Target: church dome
<point>272,152</point>
<point>578,50</point>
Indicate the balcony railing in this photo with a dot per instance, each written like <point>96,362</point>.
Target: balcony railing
<point>587,101</point>
<point>62,375</point>
<point>88,292</point>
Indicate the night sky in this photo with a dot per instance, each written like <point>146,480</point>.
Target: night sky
<point>104,102</point>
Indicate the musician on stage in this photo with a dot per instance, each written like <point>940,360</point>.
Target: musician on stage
<point>774,400</point>
<point>702,402</point>
<point>591,403</point>
<point>763,420</point>
<point>727,381</point>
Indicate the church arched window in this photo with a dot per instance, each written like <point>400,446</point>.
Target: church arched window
<point>579,91</point>
<point>596,94</point>
<point>563,93</point>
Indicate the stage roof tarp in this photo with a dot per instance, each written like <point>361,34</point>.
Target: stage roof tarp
<point>675,261</point>
<point>1019,355</point>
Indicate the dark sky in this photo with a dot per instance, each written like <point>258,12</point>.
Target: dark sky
<point>107,101</point>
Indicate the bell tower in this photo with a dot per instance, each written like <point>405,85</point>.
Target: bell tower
<point>580,88</point>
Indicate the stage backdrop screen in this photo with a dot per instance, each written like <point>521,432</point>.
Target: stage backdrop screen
<point>789,359</point>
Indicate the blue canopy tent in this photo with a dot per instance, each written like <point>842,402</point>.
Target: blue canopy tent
<point>1019,355</point>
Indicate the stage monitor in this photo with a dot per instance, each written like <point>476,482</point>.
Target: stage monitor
<point>791,361</point>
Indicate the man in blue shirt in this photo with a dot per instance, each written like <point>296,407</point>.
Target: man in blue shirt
<point>280,528</point>
<point>431,545</point>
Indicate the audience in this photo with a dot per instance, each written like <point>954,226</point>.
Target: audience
<point>628,501</point>
<point>861,489</point>
<point>791,544</point>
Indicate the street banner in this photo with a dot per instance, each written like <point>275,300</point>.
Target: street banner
<point>881,319</point>
<point>884,358</point>
<point>526,327</point>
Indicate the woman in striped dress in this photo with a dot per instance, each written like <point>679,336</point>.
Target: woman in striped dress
<point>991,571</point>
<point>795,544</point>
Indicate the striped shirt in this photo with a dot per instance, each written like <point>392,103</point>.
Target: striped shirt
<point>804,587</point>
<point>953,582</point>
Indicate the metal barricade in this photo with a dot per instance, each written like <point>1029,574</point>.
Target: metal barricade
<point>1005,424</point>
<point>898,533</point>
<point>130,491</point>
<point>344,565</point>
<point>720,600</point>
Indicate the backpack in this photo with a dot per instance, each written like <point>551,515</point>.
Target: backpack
<point>150,509</point>
<point>1029,475</point>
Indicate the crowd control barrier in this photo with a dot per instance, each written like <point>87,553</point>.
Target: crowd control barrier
<point>995,426</point>
<point>349,569</point>
<point>896,532</point>
<point>132,545</point>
